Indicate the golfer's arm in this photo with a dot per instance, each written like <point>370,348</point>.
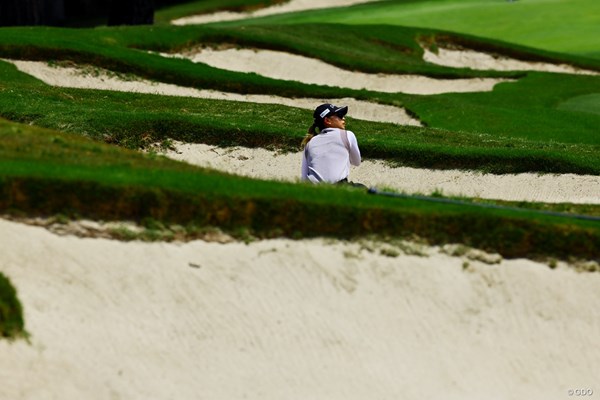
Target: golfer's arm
<point>304,169</point>
<point>354,150</point>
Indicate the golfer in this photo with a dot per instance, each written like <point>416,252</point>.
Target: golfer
<point>329,148</point>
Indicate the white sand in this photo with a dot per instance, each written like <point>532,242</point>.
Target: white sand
<point>284,319</point>
<point>265,164</point>
<point>291,67</point>
<point>290,6</point>
<point>97,78</point>
<point>482,61</point>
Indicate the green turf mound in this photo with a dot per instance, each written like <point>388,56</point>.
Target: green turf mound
<point>11,312</point>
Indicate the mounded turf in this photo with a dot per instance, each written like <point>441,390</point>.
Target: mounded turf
<point>564,26</point>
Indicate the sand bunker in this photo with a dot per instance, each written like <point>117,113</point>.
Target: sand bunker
<point>290,6</point>
<point>291,67</point>
<point>281,319</point>
<point>265,164</point>
<point>97,78</point>
<point>482,61</point>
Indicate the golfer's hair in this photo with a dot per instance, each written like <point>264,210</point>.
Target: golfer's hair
<point>312,131</point>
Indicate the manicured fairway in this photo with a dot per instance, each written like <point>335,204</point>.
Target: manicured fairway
<point>588,104</point>
<point>566,26</point>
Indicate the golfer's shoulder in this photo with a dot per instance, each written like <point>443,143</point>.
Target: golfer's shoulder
<point>350,134</point>
<point>337,131</point>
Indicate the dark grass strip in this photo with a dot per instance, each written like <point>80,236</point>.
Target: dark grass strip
<point>505,232</point>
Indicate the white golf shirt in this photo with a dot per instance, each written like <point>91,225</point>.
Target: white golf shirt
<point>327,158</point>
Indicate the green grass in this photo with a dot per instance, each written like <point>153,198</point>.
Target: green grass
<point>517,127</point>
<point>588,103</point>
<point>50,173</point>
<point>11,311</point>
<point>534,108</point>
<point>564,26</point>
